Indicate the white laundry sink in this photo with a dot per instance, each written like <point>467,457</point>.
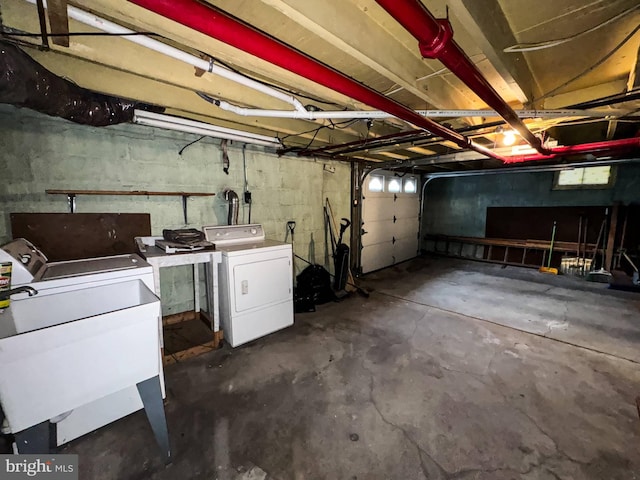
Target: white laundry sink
<point>62,351</point>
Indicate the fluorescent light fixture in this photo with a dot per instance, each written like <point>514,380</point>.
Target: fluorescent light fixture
<point>179,124</point>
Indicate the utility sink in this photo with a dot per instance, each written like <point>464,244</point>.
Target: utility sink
<point>62,351</point>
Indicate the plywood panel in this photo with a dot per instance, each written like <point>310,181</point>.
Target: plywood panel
<point>71,236</point>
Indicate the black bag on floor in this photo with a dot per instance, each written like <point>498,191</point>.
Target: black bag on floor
<point>313,288</point>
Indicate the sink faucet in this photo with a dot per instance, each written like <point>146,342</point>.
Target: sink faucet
<point>4,295</point>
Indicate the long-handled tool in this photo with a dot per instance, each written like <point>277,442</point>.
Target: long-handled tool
<point>548,268</point>
<point>583,266</point>
<point>341,259</point>
<point>351,282</point>
<point>291,225</point>
<point>600,275</point>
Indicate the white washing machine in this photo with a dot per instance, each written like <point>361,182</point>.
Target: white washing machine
<point>31,267</point>
<point>255,282</point>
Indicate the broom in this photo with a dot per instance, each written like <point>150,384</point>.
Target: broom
<point>548,268</point>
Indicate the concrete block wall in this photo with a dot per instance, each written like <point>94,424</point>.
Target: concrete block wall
<point>38,152</point>
<point>458,206</point>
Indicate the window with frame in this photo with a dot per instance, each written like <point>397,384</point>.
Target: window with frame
<point>376,183</point>
<point>410,185</point>
<point>585,177</point>
<point>394,185</point>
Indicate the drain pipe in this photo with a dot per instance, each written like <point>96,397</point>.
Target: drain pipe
<point>148,42</point>
<point>435,39</point>
<point>211,21</point>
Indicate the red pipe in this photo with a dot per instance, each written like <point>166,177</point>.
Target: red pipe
<point>609,147</point>
<point>217,24</point>
<point>435,40</point>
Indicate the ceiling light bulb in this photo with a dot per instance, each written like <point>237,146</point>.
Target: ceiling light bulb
<point>509,138</point>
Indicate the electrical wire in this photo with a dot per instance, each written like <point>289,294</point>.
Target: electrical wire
<point>592,67</point>
<point>332,127</point>
<point>534,46</point>
<point>442,72</point>
<point>78,34</point>
<point>190,143</point>
<point>272,85</point>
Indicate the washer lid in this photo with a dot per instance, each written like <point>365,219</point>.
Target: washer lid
<point>91,266</point>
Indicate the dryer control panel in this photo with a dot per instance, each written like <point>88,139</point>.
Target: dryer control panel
<point>233,234</point>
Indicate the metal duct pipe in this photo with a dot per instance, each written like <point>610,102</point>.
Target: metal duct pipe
<point>217,24</point>
<point>26,83</point>
<point>232,197</point>
<point>435,40</point>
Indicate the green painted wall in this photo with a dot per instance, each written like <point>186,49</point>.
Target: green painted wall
<point>38,152</point>
<point>458,206</point>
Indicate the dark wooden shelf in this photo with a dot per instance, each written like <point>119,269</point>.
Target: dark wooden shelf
<point>127,192</point>
<point>71,196</point>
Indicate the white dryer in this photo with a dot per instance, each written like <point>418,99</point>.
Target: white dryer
<point>255,282</point>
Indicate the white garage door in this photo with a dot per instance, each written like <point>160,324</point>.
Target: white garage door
<point>390,211</point>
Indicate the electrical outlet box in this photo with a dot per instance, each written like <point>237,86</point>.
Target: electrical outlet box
<point>329,168</point>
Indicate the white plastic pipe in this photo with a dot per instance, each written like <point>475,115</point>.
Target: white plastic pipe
<point>148,42</point>
<point>169,122</point>
<point>373,114</point>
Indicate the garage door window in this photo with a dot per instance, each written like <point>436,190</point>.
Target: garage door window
<point>410,185</point>
<point>395,185</point>
<point>376,183</point>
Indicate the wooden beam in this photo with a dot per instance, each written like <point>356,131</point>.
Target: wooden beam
<point>634,72</point>
<point>361,39</point>
<point>611,129</point>
<point>488,26</point>
<point>613,223</point>
<point>59,21</point>
<point>562,100</point>
<point>129,192</point>
<point>144,20</point>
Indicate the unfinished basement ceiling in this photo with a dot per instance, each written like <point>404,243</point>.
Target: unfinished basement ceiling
<point>362,40</point>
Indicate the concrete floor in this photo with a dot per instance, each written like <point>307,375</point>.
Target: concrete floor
<point>421,380</point>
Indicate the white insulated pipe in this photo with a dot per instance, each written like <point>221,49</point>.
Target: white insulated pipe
<point>373,114</point>
<point>148,42</point>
